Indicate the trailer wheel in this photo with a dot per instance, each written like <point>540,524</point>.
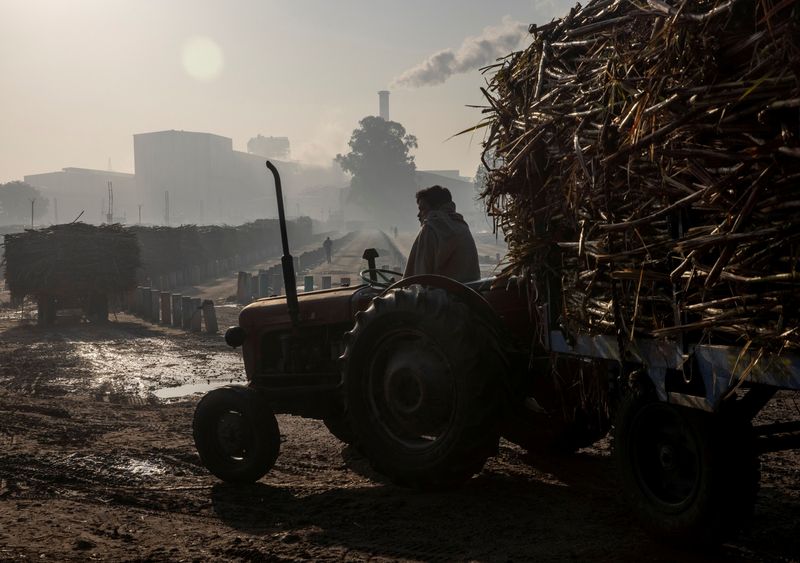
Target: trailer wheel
<point>96,308</point>
<point>687,474</point>
<point>47,310</point>
<point>422,388</point>
<point>236,434</point>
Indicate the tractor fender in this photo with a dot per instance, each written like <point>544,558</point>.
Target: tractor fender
<point>503,343</point>
<point>472,298</point>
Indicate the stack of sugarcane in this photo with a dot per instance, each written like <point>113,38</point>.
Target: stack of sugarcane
<point>71,260</point>
<point>644,160</point>
<point>217,241</point>
<point>167,249</point>
<point>161,248</point>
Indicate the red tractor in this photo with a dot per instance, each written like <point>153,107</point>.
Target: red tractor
<point>420,374</point>
<point>423,375</point>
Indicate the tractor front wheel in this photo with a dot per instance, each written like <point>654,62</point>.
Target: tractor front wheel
<point>236,434</point>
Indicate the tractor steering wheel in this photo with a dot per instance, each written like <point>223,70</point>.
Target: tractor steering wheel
<point>385,278</point>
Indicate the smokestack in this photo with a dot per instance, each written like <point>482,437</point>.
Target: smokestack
<point>383,104</point>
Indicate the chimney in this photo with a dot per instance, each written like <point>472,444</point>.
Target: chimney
<point>383,104</point>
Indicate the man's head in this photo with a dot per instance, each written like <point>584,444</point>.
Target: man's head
<point>431,199</point>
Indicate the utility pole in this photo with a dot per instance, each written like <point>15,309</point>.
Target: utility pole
<point>166,208</point>
<point>32,202</point>
<point>140,213</point>
<point>110,214</point>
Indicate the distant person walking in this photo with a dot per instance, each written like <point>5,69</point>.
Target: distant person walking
<point>328,246</point>
<point>444,245</point>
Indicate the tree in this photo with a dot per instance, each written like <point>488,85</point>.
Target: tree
<point>481,179</point>
<point>15,203</point>
<point>383,171</point>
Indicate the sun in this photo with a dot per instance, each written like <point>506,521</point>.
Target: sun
<point>202,58</point>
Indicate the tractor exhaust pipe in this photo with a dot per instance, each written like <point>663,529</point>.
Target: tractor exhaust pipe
<point>287,262</point>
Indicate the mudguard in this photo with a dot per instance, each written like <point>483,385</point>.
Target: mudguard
<point>468,295</point>
<point>505,344</point>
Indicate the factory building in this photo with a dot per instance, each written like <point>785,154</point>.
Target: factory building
<point>83,192</point>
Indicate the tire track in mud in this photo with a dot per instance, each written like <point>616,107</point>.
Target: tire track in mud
<point>152,483</point>
<point>96,470</point>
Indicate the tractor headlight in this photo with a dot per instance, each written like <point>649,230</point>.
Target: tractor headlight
<point>234,336</point>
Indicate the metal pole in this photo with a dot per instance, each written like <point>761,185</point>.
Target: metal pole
<point>287,262</point>
<point>110,214</point>
<point>166,208</point>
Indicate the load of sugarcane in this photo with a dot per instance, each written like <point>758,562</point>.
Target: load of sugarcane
<point>71,260</point>
<point>643,163</point>
<point>167,249</point>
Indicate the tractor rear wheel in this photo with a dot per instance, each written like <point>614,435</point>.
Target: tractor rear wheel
<point>236,434</point>
<point>422,388</point>
<point>339,426</point>
<point>688,474</point>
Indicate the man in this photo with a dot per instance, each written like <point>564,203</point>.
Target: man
<point>444,245</point>
<point>328,246</point>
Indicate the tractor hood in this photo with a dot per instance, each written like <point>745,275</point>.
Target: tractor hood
<point>324,307</point>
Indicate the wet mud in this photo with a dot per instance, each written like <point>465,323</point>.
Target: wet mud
<point>94,465</point>
<point>124,360</point>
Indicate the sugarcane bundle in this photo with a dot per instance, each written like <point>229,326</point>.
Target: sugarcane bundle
<point>644,157</point>
<point>215,241</point>
<point>160,248</point>
<point>221,242</point>
<point>71,260</point>
<point>189,245</point>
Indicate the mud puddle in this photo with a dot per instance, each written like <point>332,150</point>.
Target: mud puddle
<point>148,365</point>
<point>181,391</point>
<point>125,361</point>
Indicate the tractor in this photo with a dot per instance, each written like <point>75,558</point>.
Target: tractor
<point>415,373</point>
<point>424,375</point>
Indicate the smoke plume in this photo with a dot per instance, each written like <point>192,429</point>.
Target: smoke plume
<point>475,52</point>
<point>329,137</point>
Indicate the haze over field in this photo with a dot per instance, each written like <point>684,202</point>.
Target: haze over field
<point>81,77</point>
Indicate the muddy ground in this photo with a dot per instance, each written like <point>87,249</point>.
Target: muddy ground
<point>94,465</point>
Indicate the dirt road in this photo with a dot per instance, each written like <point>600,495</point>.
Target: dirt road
<point>95,466</point>
<point>347,261</point>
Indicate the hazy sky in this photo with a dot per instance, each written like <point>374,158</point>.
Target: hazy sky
<point>80,77</point>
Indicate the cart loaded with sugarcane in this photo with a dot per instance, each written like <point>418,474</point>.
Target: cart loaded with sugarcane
<point>71,266</point>
<point>643,163</point>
